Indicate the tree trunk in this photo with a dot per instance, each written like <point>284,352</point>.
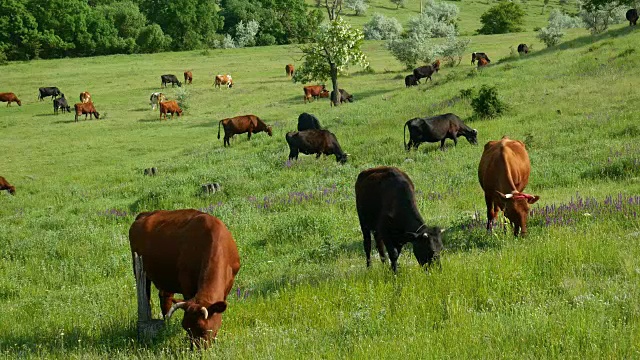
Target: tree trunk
<point>335,94</point>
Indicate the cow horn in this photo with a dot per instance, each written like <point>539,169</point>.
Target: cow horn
<point>475,131</point>
<point>204,312</point>
<point>442,230</point>
<point>180,305</point>
<point>347,154</point>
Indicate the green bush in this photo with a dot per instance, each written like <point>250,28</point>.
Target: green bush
<point>487,104</point>
<point>503,18</point>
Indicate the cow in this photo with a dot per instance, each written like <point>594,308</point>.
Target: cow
<point>250,124</point>
<point>289,69</point>
<point>169,78</point>
<point>314,142</point>
<point>10,97</point>
<point>410,80</point>
<point>171,107</point>
<point>4,185</point>
<point>344,97</point>
<point>188,77</point>
<point>504,173</point>
<point>156,98</point>
<point>438,128</point>
<point>315,91</point>
<point>52,91</point>
<point>386,206</point>
<point>426,71</point>
<point>85,97</point>
<point>523,49</point>
<point>482,62</point>
<point>632,16</point>
<point>191,253</point>
<point>308,121</point>
<point>477,56</point>
<point>61,103</point>
<point>86,109</point>
<point>223,80</point>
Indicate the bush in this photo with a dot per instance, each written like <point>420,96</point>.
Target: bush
<point>466,93</point>
<point>412,49</point>
<point>182,98</point>
<point>487,104</point>
<point>358,6</point>
<point>503,18</point>
<point>561,20</point>
<point>427,26</point>
<point>151,39</point>
<point>550,36</point>
<point>453,50</point>
<point>246,33</point>
<point>598,21</point>
<point>398,3</point>
<point>381,27</point>
<point>442,11</point>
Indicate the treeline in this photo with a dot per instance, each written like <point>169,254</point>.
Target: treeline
<point>32,29</point>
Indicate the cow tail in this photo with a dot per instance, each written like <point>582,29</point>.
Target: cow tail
<point>404,134</point>
<point>219,123</point>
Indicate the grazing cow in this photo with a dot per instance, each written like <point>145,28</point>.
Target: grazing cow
<point>523,49</point>
<point>482,62</point>
<point>10,97</point>
<point>289,69</point>
<point>169,78</point>
<point>314,142</point>
<point>191,253</point>
<point>61,103</point>
<point>438,128</point>
<point>52,91</point>
<point>156,98</point>
<point>85,97</point>
<point>314,91</point>
<point>504,173</point>
<point>410,80</point>
<point>4,185</point>
<point>344,97</point>
<point>308,121</point>
<point>188,77</point>
<point>242,124</point>
<point>171,107</point>
<point>477,56</point>
<point>632,16</point>
<point>86,109</point>
<point>386,206</point>
<point>223,80</point>
<point>426,71</point>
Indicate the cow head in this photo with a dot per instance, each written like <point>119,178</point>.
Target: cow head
<point>12,190</point>
<point>472,136</point>
<point>179,84</point>
<point>324,93</point>
<point>269,130</point>
<point>342,158</point>
<point>19,102</point>
<point>436,65</point>
<point>427,244</point>
<point>96,114</point>
<point>517,208</point>
<point>200,322</point>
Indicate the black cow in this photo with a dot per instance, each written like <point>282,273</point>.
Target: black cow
<point>632,16</point>
<point>344,97</point>
<point>314,142</point>
<point>523,48</point>
<point>410,80</point>
<point>61,103</point>
<point>386,206</point>
<point>426,71</point>
<point>308,121</point>
<point>477,56</point>
<point>169,78</point>
<point>438,128</point>
<point>52,91</point>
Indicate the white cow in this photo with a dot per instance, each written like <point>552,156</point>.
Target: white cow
<point>156,98</point>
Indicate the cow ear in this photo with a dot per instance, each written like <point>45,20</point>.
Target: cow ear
<point>505,197</point>
<point>218,307</point>
<point>532,200</point>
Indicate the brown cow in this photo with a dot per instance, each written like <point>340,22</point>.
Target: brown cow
<point>315,91</point>
<point>10,97</point>
<point>86,109</point>
<point>171,107</point>
<point>477,56</point>
<point>190,253</point>
<point>85,97</point>
<point>242,124</point>
<point>188,77</point>
<point>314,141</point>
<point>504,173</point>
<point>4,185</point>
<point>223,80</point>
<point>482,62</point>
<point>289,69</point>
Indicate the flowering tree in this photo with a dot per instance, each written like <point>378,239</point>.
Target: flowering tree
<point>335,47</point>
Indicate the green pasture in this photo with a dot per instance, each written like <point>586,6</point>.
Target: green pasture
<point>568,290</point>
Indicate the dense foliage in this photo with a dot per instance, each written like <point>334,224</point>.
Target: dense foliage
<point>381,27</point>
<point>503,18</point>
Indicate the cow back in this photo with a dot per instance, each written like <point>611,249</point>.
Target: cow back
<point>504,166</point>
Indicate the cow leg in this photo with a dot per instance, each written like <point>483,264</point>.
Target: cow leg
<point>455,140</point>
<point>393,256</point>
<point>226,141</point>
<point>442,144</point>
<point>366,235</point>
<point>166,301</point>
<point>249,135</point>
<point>381,248</point>
<point>490,212</point>
<point>293,153</point>
<point>318,155</point>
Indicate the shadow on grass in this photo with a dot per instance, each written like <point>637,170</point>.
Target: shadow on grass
<point>65,121</point>
<point>45,115</point>
<point>150,120</point>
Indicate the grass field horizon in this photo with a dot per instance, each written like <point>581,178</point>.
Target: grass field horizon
<point>569,289</point>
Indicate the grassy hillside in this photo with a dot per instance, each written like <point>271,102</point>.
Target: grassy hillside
<point>569,289</point>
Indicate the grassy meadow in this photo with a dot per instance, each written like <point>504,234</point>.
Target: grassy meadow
<point>568,290</point>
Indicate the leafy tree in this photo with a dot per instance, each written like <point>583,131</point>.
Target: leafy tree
<point>598,16</point>
<point>336,46</point>
<point>151,39</point>
<point>126,18</point>
<point>411,49</point>
<point>246,33</point>
<point>503,18</point>
<point>398,3</point>
<point>381,27</point>
<point>359,7</point>
<point>453,50</point>
<point>550,35</point>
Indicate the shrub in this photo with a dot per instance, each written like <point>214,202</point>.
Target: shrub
<point>182,98</point>
<point>550,36</point>
<point>358,6</point>
<point>503,18</point>
<point>411,49</point>
<point>246,33</point>
<point>598,20</point>
<point>398,3</point>
<point>442,11</point>
<point>381,27</point>
<point>426,26</point>
<point>151,39</point>
<point>561,20</point>
<point>487,104</point>
<point>466,93</point>
<point>453,50</point>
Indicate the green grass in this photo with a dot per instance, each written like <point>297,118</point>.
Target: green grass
<point>570,289</point>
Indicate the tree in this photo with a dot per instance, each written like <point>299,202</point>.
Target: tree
<point>381,27</point>
<point>336,46</point>
<point>151,39</point>
<point>359,7</point>
<point>597,16</point>
<point>398,3</point>
<point>503,18</point>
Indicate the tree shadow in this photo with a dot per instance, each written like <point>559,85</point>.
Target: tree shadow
<point>64,121</point>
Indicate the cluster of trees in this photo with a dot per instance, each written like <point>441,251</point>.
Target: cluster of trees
<point>59,28</point>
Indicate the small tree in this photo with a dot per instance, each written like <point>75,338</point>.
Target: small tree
<point>359,7</point>
<point>381,27</point>
<point>503,18</point>
<point>337,45</point>
<point>246,33</point>
<point>398,3</point>
<point>412,49</point>
<point>550,35</point>
<point>454,49</point>
<point>487,104</point>
<point>597,18</point>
